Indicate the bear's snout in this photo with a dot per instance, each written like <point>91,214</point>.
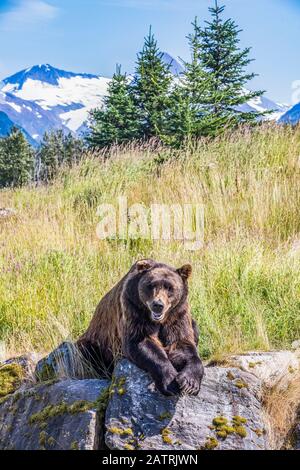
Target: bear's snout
<point>157,306</point>
<point>157,309</point>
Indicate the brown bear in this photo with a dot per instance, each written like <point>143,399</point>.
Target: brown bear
<point>146,318</point>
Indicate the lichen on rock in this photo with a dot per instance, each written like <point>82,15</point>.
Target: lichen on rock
<point>191,423</point>
<point>55,416</point>
<point>228,413</point>
<point>11,377</point>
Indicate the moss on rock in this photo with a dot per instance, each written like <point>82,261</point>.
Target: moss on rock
<point>102,402</point>
<point>165,415</point>
<point>128,447</point>
<point>223,429</point>
<point>120,431</point>
<point>237,420</point>
<point>241,431</point>
<point>51,441</point>
<point>43,438</point>
<point>259,432</point>
<point>210,444</point>
<point>74,445</point>
<point>252,365</point>
<point>220,421</point>
<point>239,383</point>
<point>230,375</point>
<point>59,409</point>
<point>11,377</point>
<point>165,434</point>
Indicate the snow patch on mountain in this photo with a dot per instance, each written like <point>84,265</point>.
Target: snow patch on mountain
<point>66,95</point>
<point>262,104</point>
<point>44,73</point>
<point>68,91</point>
<point>29,115</point>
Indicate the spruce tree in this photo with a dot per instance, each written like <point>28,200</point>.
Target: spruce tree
<point>180,119</point>
<point>195,83</point>
<point>116,122</point>
<point>225,66</point>
<point>57,150</point>
<point>16,160</point>
<point>74,149</point>
<point>49,155</point>
<point>151,89</point>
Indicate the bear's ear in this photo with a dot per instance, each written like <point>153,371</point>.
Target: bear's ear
<point>185,271</point>
<point>143,265</point>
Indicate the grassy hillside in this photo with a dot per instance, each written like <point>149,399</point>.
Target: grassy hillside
<point>245,290</point>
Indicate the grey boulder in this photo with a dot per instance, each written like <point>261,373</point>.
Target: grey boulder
<point>57,416</point>
<point>6,213</point>
<point>63,362</point>
<point>227,413</point>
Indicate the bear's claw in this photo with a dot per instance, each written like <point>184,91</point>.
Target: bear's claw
<point>188,384</point>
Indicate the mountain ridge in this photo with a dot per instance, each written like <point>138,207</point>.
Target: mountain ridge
<point>292,116</point>
<point>6,125</point>
<point>42,98</point>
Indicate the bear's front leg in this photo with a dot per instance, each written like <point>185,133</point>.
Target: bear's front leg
<point>150,356</point>
<point>186,360</point>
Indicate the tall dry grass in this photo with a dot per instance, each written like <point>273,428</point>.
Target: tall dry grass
<point>245,290</point>
<point>281,406</point>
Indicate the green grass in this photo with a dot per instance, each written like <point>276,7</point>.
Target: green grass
<point>245,289</point>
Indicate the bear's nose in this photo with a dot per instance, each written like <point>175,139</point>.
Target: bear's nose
<point>157,306</point>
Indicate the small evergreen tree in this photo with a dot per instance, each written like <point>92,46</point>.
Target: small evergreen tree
<point>116,122</point>
<point>16,160</point>
<point>151,89</point>
<point>191,113</point>
<point>224,64</point>
<point>56,150</point>
<point>180,118</point>
<point>74,149</point>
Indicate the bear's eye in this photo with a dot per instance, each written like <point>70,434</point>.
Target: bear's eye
<point>169,288</point>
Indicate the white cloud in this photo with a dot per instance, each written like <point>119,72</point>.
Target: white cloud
<point>27,13</point>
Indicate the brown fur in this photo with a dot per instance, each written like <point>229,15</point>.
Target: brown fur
<point>127,321</point>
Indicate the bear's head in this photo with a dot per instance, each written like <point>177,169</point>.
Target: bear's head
<point>161,288</point>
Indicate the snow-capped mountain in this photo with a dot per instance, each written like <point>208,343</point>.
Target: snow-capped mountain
<point>64,97</point>
<point>6,126</point>
<point>43,98</point>
<point>175,67</point>
<point>292,116</point>
<point>261,104</point>
<point>28,115</point>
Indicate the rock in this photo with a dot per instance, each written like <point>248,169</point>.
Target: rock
<point>296,345</point>
<point>227,414</point>
<point>232,410</point>
<point>273,369</point>
<point>297,438</point>
<point>63,415</point>
<point>16,373</point>
<point>64,362</point>
<point>11,379</point>
<point>5,213</point>
<point>27,362</point>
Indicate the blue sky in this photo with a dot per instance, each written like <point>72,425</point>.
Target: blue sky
<point>93,35</point>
